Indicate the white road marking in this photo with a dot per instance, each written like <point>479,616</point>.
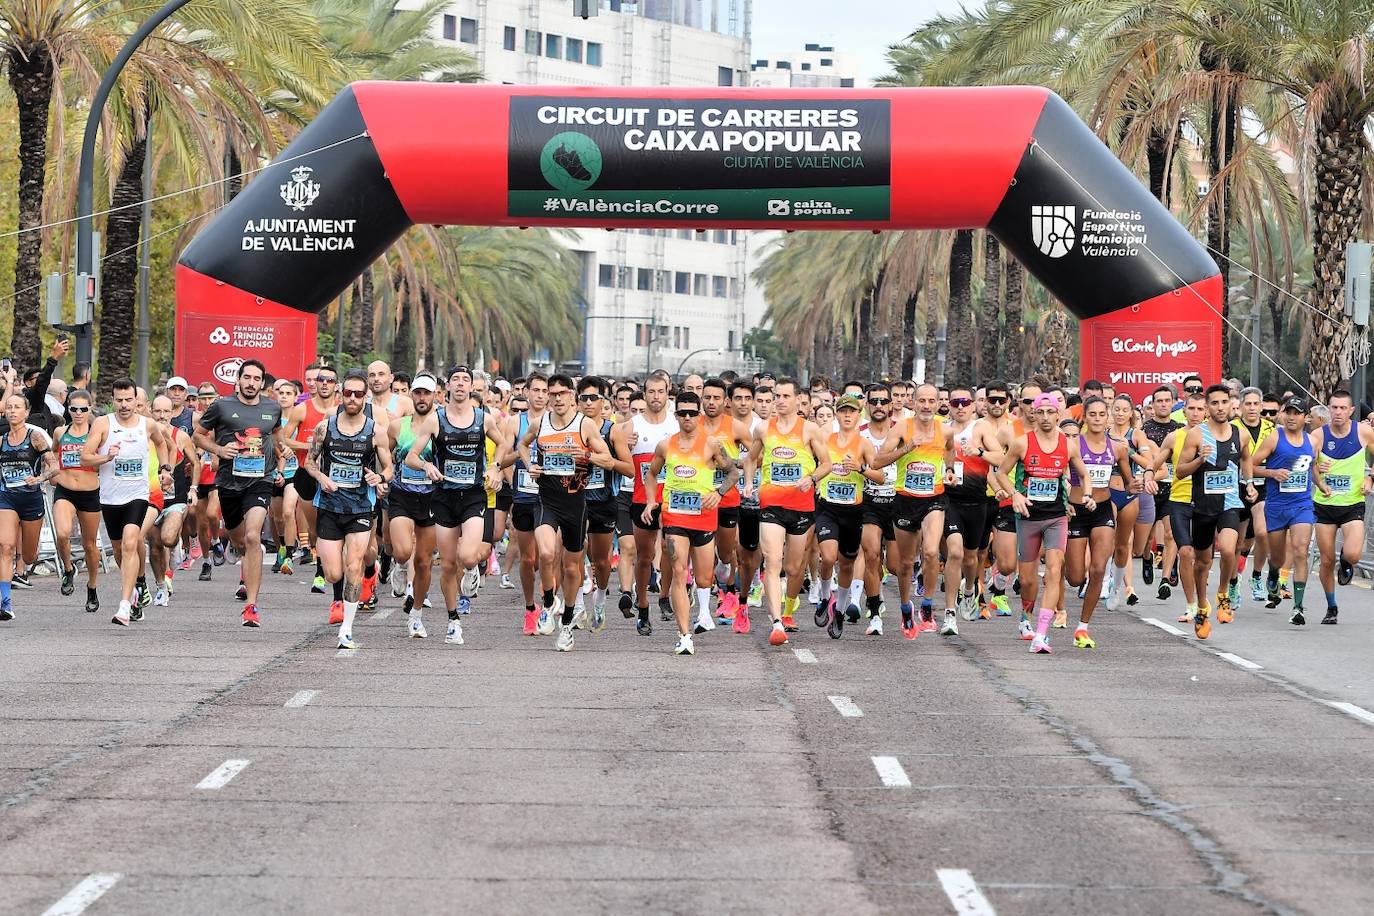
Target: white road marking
<point>805,656</point>
<point>963,892</point>
<point>1361,583</point>
<point>846,707</point>
<point>346,653</point>
<point>891,773</point>
<point>1359,712</point>
<point>1242,662</point>
<point>87,891</point>
<point>221,776</point>
<point>301,698</point>
<point>1166,627</point>
<point>384,613</point>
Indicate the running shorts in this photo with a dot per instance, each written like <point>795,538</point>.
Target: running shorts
<point>748,529</point>
<point>843,524</point>
<point>117,518</point>
<point>1205,527</point>
<point>333,526</point>
<point>452,508</point>
<point>601,516</point>
<point>1034,535</point>
<point>1083,521</point>
<point>234,505</point>
<point>418,507</point>
<point>694,538</point>
<point>878,513</point>
<point>970,521</point>
<point>1340,516</point>
<point>82,500</point>
<point>793,521</point>
<point>568,518</point>
<point>28,504</point>
<point>1279,516</point>
<point>909,512</point>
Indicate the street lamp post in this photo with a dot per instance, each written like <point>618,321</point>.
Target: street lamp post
<point>648,350</point>
<point>85,267</point>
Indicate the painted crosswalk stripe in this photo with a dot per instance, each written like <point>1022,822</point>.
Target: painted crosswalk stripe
<point>891,773</point>
<point>222,774</point>
<point>805,656</point>
<point>1242,662</point>
<point>346,653</point>
<point>963,892</point>
<point>384,613</point>
<point>1359,712</point>
<point>301,698</point>
<point>846,707</point>
<point>1166,627</point>
<point>87,891</point>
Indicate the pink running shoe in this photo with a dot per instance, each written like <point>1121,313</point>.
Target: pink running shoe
<point>728,608</point>
<point>195,549</point>
<point>741,624</point>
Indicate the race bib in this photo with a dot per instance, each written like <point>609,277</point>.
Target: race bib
<point>461,473</point>
<point>1296,483</point>
<point>129,468</point>
<point>1099,475</point>
<point>1217,483</point>
<point>70,456</point>
<point>1168,470</point>
<point>525,483</point>
<point>250,465</point>
<point>596,479</point>
<point>346,475</point>
<point>1042,489</point>
<point>841,493</point>
<point>559,464</point>
<point>14,474</point>
<point>958,473</point>
<point>291,466</point>
<point>920,479</point>
<point>682,502</point>
<point>1339,483</point>
<point>785,474</point>
<point>412,477</point>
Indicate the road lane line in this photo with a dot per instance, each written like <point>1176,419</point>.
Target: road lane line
<point>221,776</point>
<point>346,653</point>
<point>891,773</point>
<point>1359,712</point>
<point>384,613</point>
<point>301,698</point>
<point>1242,662</point>
<point>846,707</point>
<point>805,656</point>
<point>87,891</point>
<point>963,892</point>
<point>1167,628</point>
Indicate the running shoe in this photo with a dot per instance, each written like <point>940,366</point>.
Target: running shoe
<point>823,611</point>
<point>968,606</point>
<point>985,612</point>
<point>1040,645</point>
<point>1202,623</point>
<point>1298,620</point>
<point>741,624</point>
<point>195,549</point>
<point>835,629</point>
<point>1111,597</point>
<point>813,591</point>
<point>1224,612</point>
<point>336,614</point>
<point>875,626</point>
<point>1024,631</point>
<point>653,581</point>
<point>1272,599</point>
<point>1132,599</point>
<point>185,564</point>
<point>728,608</point>
<point>6,609</point>
<point>454,635</point>
<point>471,582</point>
<point>789,623</point>
<point>704,624</point>
<point>1330,618</point>
<point>135,612</point>
<point>241,593</point>
<point>397,579</point>
<point>1061,620</point>
<point>599,615</point>
<point>68,581</point>
<point>276,563</point>
<point>317,587</point>
<point>756,594</point>
<point>951,625</point>
<point>92,600</point>
<point>909,628</point>
<point>160,599</point>
<point>1081,639</point>
<point>217,553</point>
<point>1285,591</point>
<point>665,608</point>
<point>464,605</point>
<point>564,642</point>
<point>1083,590</point>
<point>167,584</point>
<point>1233,595</point>
<point>250,616</point>
<point>920,585</point>
<point>144,596</point>
<point>416,628</point>
<point>367,597</point>
<point>778,635</point>
<point>506,582</point>
<point>204,572</point>
<point>346,641</point>
<point>927,618</point>
<point>1164,591</point>
<point>684,646</point>
<point>1001,606</point>
<point>852,613</point>
<point>1345,572</point>
<point>1147,569</point>
<point>1016,584</point>
<point>545,625</point>
<point>286,568</point>
<point>121,616</point>
<point>531,622</point>
<point>644,626</point>
<point>1256,589</point>
<point>1187,616</point>
<point>627,605</point>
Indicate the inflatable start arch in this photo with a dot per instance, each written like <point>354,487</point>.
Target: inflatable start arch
<point>1013,160</point>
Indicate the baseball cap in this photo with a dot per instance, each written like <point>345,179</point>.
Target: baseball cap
<point>503,385</point>
<point>423,383</point>
<point>177,381</point>
<point>1045,400</point>
<point>1297,404</point>
<point>849,401</point>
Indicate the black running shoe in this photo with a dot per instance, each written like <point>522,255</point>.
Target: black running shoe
<point>1345,573</point>
<point>644,626</point>
<point>241,593</point>
<point>1330,618</point>
<point>92,600</point>
<point>627,605</point>
<point>852,613</point>
<point>21,581</point>
<point>408,605</point>
<point>836,628</point>
<point>665,608</point>
<point>1164,590</point>
<point>1297,619</point>
<point>822,614</point>
<point>204,572</point>
<point>1274,599</point>
<point>1016,585</point>
<point>1147,569</point>
<point>68,581</point>
<point>135,613</point>
<point>218,553</point>
<point>653,582</point>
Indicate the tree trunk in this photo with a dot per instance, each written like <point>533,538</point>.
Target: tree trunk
<point>931,344</point>
<point>1013,317</point>
<point>959,324</point>
<point>990,309</point>
<point>360,316</point>
<point>1222,116</point>
<point>1336,213</point>
<point>427,317</point>
<point>31,78</point>
<point>1054,359</point>
<point>119,271</point>
<point>864,356</point>
<point>907,350</point>
<point>1157,157</point>
<point>402,345</point>
<point>1276,307</point>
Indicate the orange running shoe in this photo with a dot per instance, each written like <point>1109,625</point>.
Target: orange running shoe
<point>778,636</point>
<point>789,625</point>
<point>250,616</point>
<point>369,589</point>
<point>1202,623</point>
<point>336,613</point>
<point>531,621</point>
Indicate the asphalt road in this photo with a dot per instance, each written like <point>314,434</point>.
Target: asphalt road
<point>1148,776</point>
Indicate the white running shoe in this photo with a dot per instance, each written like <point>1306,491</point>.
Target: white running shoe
<point>684,646</point>
<point>160,599</point>
<point>506,582</point>
<point>425,604</point>
<point>454,637</point>
<point>1024,631</point>
<point>346,641</point>
<point>564,642</point>
<point>1040,645</point>
<point>875,626</point>
<point>1112,598</point>
<point>968,606</point>
<point>599,616</point>
<point>399,585</point>
<point>814,595</point>
<point>951,625</point>
<point>417,628</point>
<point>547,616</point>
<point>472,581</point>
<point>580,616</point>
<point>704,623</point>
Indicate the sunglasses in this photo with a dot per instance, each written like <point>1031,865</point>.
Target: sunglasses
<point>879,402</point>
<point>589,396</point>
<point>997,400</point>
<point>1193,389</point>
<point>960,402</point>
<point>205,395</point>
<point>1028,401</point>
<point>354,394</point>
<point>78,410</point>
<point>1269,413</point>
<point>326,380</point>
<point>688,413</point>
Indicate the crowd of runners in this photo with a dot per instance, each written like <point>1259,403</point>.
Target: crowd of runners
<point>719,495</point>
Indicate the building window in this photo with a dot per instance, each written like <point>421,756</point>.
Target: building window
<point>663,281</point>
<point>532,41</point>
<point>685,234</point>
<point>625,277</point>
<point>450,28</point>
<point>508,38</point>
<point>682,283</point>
<point>605,276</point>
<point>806,67</point>
<point>677,338</point>
<point>467,31</point>
<point>644,279</point>
<point>641,335</point>
<point>731,338</point>
<point>701,285</point>
<point>686,338</point>
<point>718,287</point>
<point>574,50</point>
<point>827,62</point>
<point>720,236</point>
<point>594,53</point>
<point>846,82</point>
<point>553,45</point>
<point>725,76</point>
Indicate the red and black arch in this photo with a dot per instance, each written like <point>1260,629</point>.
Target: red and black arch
<point>1014,160</point>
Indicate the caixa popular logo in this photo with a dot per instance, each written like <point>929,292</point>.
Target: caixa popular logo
<point>227,370</point>
<point>1053,230</point>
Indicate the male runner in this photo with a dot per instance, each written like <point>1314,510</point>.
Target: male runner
<point>879,534</point>
<point>301,424</point>
<point>178,501</point>
<point>839,509</point>
<point>1157,425</point>
<point>747,555</point>
<point>1254,541</point>
<point>734,435</point>
<point>968,521</point>
<point>525,492</point>
<point>411,498</point>
<point>603,485</point>
<point>1345,445</point>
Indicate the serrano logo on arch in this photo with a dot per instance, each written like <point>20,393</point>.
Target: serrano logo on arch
<point>227,370</point>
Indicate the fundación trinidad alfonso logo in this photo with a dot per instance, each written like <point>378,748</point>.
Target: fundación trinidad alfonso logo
<point>300,192</point>
<point>1052,230</point>
<point>570,161</point>
<point>219,336</point>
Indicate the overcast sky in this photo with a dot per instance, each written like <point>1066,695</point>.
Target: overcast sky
<point>863,28</point>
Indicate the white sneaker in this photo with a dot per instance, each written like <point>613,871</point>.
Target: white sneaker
<point>472,581</point>
<point>875,626</point>
<point>951,625</point>
<point>346,641</point>
<point>564,642</point>
<point>599,616</point>
<point>1112,599</point>
<point>425,604</point>
<point>417,628</point>
<point>579,616</point>
<point>1040,645</point>
<point>546,625</point>
<point>704,623</point>
<point>968,606</point>
<point>814,595</point>
<point>684,646</point>
<point>506,582</point>
<point>1024,631</point>
<point>454,637</point>
<point>160,599</point>
<point>398,580</point>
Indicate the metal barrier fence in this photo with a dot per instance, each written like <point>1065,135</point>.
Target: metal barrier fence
<point>47,558</point>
